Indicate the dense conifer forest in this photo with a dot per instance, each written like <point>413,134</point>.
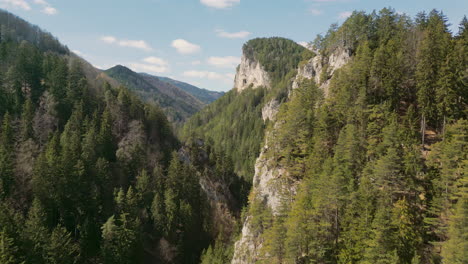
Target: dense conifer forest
<point>91,174</point>
<point>376,169</point>
<point>380,164</point>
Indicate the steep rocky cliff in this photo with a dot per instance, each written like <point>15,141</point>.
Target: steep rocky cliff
<point>250,73</point>
<point>321,68</point>
<point>270,110</point>
<point>270,186</point>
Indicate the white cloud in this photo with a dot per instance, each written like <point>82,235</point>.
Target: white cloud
<point>156,61</point>
<point>150,65</point>
<point>315,12</point>
<point>23,4</point>
<point>109,39</point>
<point>141,67</point>
<point>224,62</point>
<point>197,62</point>
<point>40,2</point>
<point>138,44</point>
<point>233,35</point>
<point>15,4</point>
<point>184,47</point>
<point>49,10</point>
<point>345,14</point>
<point>220,4</point>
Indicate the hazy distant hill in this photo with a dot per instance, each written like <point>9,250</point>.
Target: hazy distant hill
<point>204,95</point>
<point>177,104</point>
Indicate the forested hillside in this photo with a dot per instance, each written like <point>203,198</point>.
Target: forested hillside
<point>356,152</point>
<point>206,96</point>
<point>91,174</point>
<point>375,172</point>
<point>233,123</point>
<point>177,104</point>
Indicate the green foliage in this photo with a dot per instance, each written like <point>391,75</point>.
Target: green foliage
<point>368,192</point>
<point>120,242</point>
<point>217,254</point>
<point>456,247</point>
<point>87,175</point>
<point>6,159</point>
<point>15,28</point>
<point>176,104</point>
<point>67,145</point>
<point>297,115</point>
<point>234,125</point>
<point>205,96</point>
<point>8,250</point>
<point>61,249</point>
<point>278,56</point>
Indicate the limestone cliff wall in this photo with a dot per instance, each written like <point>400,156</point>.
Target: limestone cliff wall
<point>250,73</point>
<point>269,183</point>
<point>314,68</point>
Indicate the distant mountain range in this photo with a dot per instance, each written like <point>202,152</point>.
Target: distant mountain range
<point>179,100</point>
<point>204,95</point>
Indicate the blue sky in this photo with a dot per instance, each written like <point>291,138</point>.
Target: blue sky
<point>197,41</point>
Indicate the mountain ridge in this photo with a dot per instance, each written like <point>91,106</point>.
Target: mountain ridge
<point>204,95</point>
<point>177,104</point>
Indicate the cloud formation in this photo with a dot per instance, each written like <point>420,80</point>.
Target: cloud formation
<point>48,10</point>
<point>156,61</point>
<point>224,62</point>
<point>137,44</point>
<point>108,39</point>
<point>234,35</point>
<point>150,65</point>
<point>22,4</point>
<point>184,47</point>
<point>46,7</point>
<point>220,4</point>
<point>141,67</point>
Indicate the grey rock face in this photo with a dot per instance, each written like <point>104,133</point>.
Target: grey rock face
<point>269,182</point>
<point>314,68</point>
<point>270,110</point>
<point>250,73</point>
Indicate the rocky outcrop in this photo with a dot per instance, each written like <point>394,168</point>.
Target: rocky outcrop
<point>250,73</point>
<point>315,67</point>
<point>270,110</point>
<point>245,249</point>
<point>270,183</point>
<point>272,186</point>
